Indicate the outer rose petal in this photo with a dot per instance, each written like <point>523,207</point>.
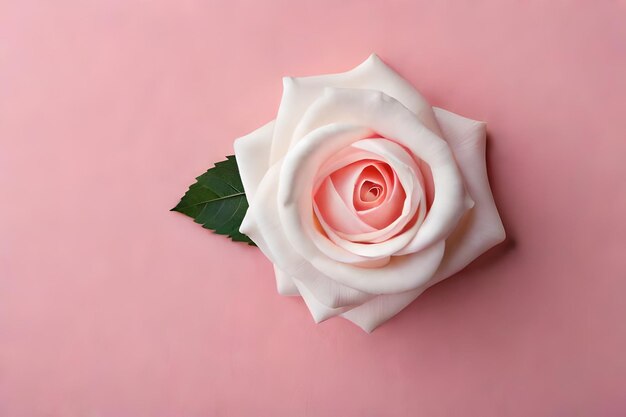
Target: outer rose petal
<point>253,157</point>
<point>479,230</point>
<point>376,311</point>
<point>372,74</point>
<point>319,311</point>
<point>284,283</point>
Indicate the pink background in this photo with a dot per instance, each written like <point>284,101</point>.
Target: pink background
<point>110,305</point>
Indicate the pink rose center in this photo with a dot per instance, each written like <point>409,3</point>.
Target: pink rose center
<point>360,197</point>
<point>370,188</point>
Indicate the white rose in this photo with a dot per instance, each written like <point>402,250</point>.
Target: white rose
<point>363,195</point>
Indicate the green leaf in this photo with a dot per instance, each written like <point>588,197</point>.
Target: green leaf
<point>218,201</point>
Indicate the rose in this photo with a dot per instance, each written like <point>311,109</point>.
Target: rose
<point>363,195</point>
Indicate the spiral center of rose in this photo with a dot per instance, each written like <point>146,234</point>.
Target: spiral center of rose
<point>369,187</point>
<point>370,191</point>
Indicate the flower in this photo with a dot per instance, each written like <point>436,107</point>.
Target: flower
<point>363,195</point>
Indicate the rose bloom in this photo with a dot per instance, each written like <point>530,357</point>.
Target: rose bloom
<point>363,195</point>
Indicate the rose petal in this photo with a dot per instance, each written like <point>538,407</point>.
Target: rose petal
<point>378,310</point>
<point>284,283</point>
<point>372,74</point>
<point>319,311</point>
<point>342,158</point>
<point>481,228</point>
<point>253,157</point>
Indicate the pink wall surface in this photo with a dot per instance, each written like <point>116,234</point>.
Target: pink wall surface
<point>110,305</point>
